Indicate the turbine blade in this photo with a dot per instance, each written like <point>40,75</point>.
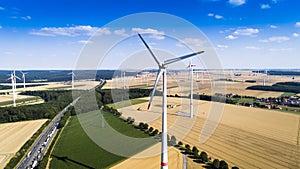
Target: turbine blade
<point>17,77</point>
<point>169,61</point>
<point>154,88</point>
<point>152,54</point>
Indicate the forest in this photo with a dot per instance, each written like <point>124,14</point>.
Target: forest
<point>55,101</point>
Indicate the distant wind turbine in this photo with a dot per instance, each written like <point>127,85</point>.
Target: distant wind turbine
<point>124,81</point>
<point>13,79</point>
<point>24,81</point>
<point>163,72</point>
<point>73,78</point>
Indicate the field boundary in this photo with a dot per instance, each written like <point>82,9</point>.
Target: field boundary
<point>5,160</point>
<point>298,134</point>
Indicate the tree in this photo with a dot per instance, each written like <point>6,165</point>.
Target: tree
<point>223,165</point>
<point>145,126</point>
<point>141,126</point>
<point>128,119</point>
<point>180,143</point>
<point>150,129</point>
<point>216,164</point>
<point>155,132</point>
<point>173,140</point>
<point>188,148</point>
<point>203,156</point>
<point>195,151</point>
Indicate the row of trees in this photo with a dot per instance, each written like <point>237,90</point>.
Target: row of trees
<point>279,87</point>
<point>202,157</point>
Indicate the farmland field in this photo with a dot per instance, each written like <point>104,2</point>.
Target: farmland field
<point>246,137</point>
<point>75,149</point>
<point>14,135</point>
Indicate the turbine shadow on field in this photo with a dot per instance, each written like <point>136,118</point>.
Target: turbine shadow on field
<point>66,159</point>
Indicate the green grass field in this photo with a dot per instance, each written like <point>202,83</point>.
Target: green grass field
<point>287,94</point>
<point>127,103</point>
<point>75,149</point>
<point>246,100</point>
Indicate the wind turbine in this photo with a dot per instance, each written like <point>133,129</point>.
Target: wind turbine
<point>14,78</point>
<point>23,77</point>
<point>266,76</point>
<point>163,72</point>
<point>191,88</point>
<point>73,77</point>
<point>124,82</point>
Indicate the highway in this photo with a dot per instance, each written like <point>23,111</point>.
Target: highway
<point>39,148</point>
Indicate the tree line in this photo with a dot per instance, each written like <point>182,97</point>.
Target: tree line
<point>55,101</point>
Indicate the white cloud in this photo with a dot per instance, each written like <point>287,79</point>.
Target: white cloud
<point>297,24</point>
<point>278,39</point>
<point>121,32</point>
<point>148,30</point>
<point>215,16</point>
<point>26,18</point>
<point>237,2</point>
<point>296,34</point>
<point>83,30</point>
<point>193,41</point>
<point>218,17</point>
<point>231,37</point>
<point>246,32</point>
<point>85,42</point>
<point>273,26</point>
<point>210,14</point>
<point>265,6</point>
<point>252,47</point>
<point>155,34</point>
<point>2,8</point>
<point>222,46</point>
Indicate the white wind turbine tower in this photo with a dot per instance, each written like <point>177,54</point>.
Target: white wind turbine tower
<point>266,76</point>
<point>124,80</point>
<point>14,78</point>
<point>163,72</point>
<point>24,81</point>
<point>73,78</point>
<point>191,88</point>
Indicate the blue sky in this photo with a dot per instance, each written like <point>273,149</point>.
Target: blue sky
<point>245,33</point>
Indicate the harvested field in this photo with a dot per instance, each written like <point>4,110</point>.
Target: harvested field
<point>175,161</point>
<point>246,137</point>
<point>14,135</point>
